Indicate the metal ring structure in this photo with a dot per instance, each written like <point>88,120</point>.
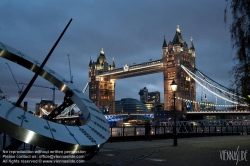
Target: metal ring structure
<point>30,129</point>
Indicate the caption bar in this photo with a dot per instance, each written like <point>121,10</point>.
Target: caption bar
<point>43,156</point>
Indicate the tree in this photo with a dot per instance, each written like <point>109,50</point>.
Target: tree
<point>240,36</point>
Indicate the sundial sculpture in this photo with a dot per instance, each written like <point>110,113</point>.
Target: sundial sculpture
<point>44,133</point>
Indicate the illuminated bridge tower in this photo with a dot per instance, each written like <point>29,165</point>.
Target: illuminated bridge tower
<point>102,89</point>
<point>174,54</point>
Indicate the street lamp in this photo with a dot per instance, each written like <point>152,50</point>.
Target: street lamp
<point>174,88</point>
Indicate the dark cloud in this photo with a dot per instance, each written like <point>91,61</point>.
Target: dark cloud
<point>130,31</point>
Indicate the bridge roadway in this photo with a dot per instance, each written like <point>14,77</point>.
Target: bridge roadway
<point>192,112</point>
<point>115,117</point>
<point>220,112</point>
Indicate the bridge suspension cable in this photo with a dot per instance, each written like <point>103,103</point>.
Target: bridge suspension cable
<point>205,80</point>
<point>194,76</point>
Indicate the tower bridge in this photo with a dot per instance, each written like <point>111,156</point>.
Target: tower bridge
<point>177,63</point>
<point>102,76</point>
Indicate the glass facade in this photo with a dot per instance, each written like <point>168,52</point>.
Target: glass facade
<point>129,105</point>
<point>150,106</point>
<point>149,97</point>
<point>154,97</point>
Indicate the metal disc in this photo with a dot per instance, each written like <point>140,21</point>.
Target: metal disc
<point>30,129</point>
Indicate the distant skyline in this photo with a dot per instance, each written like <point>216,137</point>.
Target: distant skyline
<point>130,31</point>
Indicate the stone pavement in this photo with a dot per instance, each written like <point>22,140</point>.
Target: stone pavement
<point>203,151</point>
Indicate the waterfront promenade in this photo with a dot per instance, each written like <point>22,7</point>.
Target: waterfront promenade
<point>203,151</point>
<point>196,151</point>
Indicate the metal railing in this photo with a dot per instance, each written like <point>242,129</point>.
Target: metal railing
<point>122,133</point>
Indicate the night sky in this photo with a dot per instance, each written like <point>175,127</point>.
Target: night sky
<point>130,31</point>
